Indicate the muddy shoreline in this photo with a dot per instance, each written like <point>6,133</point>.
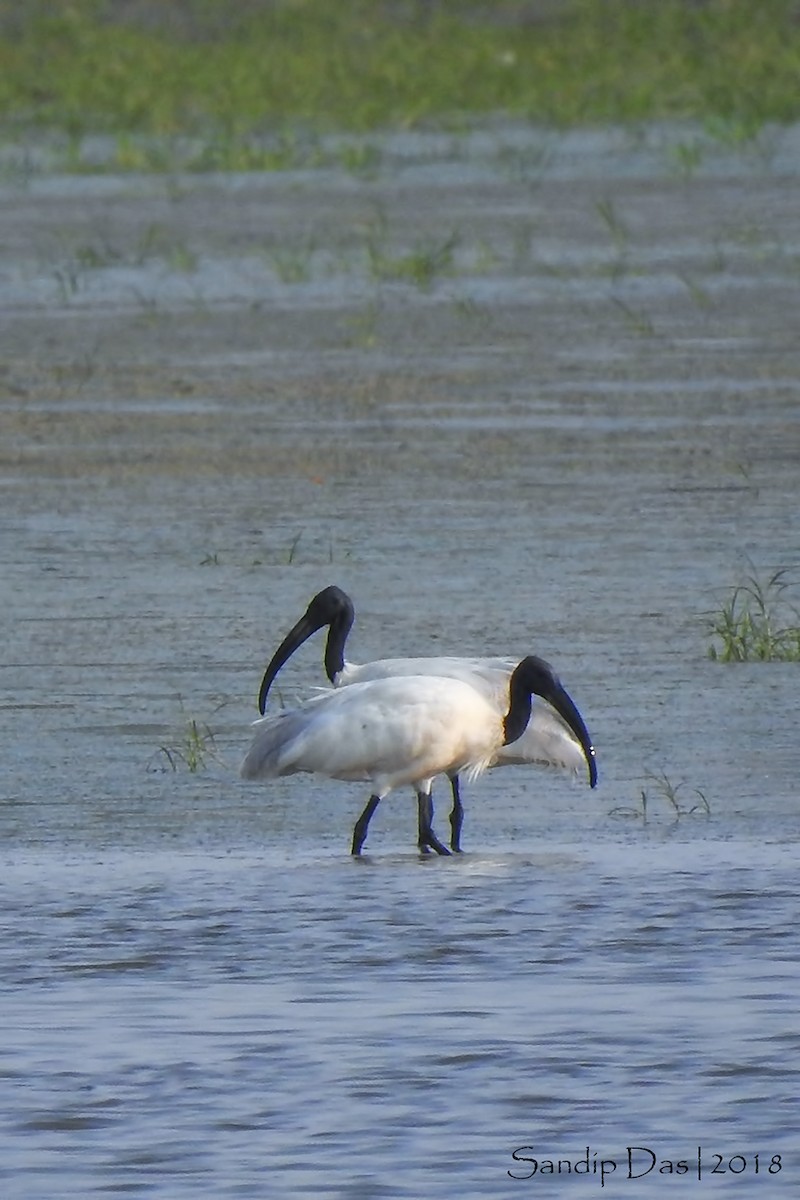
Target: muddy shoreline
<point>549,408</point>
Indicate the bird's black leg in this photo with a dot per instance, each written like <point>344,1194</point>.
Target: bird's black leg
<point>427,838</point>
<point>456,816</point>
<point>424,819</point>
<point>362,824</point>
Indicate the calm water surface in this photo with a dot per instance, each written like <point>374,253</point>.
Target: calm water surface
<point>252,1024</point>
<point>573,441</point>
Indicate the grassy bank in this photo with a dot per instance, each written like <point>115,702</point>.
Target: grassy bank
<point>195,67</point>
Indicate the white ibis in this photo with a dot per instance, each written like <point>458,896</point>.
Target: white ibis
<point>548,740</point>
<point>406,729</point>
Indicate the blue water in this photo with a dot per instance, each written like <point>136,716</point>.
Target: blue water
<point>255,1024</point>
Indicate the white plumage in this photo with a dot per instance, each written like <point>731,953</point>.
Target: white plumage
<point>547,741</point>
<point>388,732</point>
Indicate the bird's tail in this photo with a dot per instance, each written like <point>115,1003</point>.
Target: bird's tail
<point>266,757</point>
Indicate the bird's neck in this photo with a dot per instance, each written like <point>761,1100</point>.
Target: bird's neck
<point>334,647</point>
<point>519,711</point>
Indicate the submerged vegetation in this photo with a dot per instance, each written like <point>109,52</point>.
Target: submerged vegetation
<point>757,623</point>
<point>672,795</point>
<point>252,81</point>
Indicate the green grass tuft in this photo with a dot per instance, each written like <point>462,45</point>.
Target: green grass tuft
<point>421,265</point>
<point>194,745</point>
<point>751,625</point>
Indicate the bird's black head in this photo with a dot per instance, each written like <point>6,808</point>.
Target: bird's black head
<point>328,606</point>
<point>534,676</point>
<point>331,607</point>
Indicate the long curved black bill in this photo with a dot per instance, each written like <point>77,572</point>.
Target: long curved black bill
<point>294,639</point>
<point>534,675</point>
<point>331,607</point>
<point>565,706</point>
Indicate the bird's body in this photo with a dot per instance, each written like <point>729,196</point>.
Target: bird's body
<point>490,674</point>
<point>548,740</point>
<point>389,732</point>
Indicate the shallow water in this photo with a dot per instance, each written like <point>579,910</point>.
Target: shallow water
<point>572,441</point>
<point>252,1023</point>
